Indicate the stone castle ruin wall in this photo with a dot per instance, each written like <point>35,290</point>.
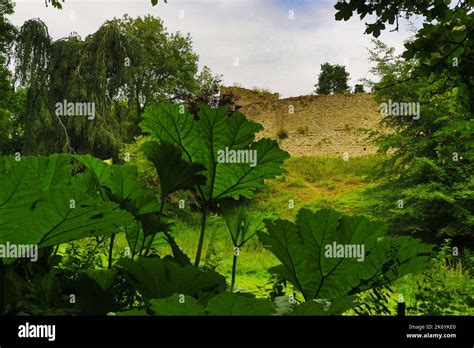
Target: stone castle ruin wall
<point>316,125</point>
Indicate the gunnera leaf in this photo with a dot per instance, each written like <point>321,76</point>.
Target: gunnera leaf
<point>324,307</point>
<point>174,173</point>
<point>177,304</point>
<point>234,304</point>
<point>131,313</point>
<point>42,203</point>
<point>158,279</point>
<point>327,255</point>
<point>121,184</point>
<point>235,164</point>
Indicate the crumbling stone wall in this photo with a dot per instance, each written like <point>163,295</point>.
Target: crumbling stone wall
<point>315,125</point>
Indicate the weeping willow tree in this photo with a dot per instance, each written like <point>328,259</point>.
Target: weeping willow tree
<point>120,69</point>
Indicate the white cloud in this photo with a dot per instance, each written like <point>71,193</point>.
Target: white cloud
<point>274,51</point>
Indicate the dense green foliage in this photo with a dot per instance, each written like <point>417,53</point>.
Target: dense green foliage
<point>71,198</point>
<point>448,278</point>
<point>118,239</point>
<point>101,292</point>
<point>204,140</point>
<point>427,181</point>
<point>302,249</point>
<point>120,69</point>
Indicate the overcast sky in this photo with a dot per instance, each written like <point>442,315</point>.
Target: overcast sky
<point>278,44</point>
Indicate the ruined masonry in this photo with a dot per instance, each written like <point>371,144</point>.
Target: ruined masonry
<point>316,125</point>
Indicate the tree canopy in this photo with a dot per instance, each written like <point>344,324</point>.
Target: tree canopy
<point>426,183</point>
<point>358,88</point>
<point>120,69</point>
<point>332,79</point>
<point>443,46</point>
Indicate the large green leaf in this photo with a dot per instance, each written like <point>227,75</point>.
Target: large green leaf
<point>241,180</point>
<point>174,173</point>
<point>323,307</point>
<point>233,304</point>
<point>179,255</point>
<point>101,169</point>
<point>167,123</point>
<point>241,225</point>
<point>41,204</point>
<point>121,184</point>
<point>132,313</point>
<point>125,188</point>
<point>95,292</point>
<point>303,249</point>
<point>24,182</point>
<point>52,221</point>
<point>157,279</point>
<point>103,277</point>
<point>177,304</point>
<point>205,140</point>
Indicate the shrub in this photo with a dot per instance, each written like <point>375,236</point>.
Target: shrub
<point>450,281</point>
<point>282,134</point>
